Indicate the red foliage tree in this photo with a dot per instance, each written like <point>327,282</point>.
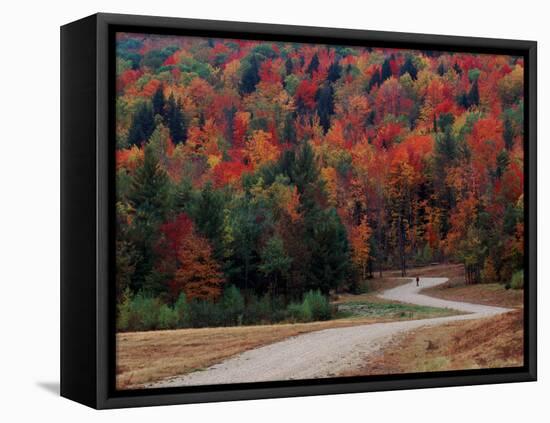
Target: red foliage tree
<point>305,94</point>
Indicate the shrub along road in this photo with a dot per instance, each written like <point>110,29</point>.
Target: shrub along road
<point>329,352</point>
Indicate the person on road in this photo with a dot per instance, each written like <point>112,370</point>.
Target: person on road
<point>417,280</point>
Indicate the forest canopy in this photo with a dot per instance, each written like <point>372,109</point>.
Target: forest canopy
<point>255,174</point>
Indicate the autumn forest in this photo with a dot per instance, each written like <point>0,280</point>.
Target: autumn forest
<point>255,179</point>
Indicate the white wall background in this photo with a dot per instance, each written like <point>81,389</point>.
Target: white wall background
<point>29,209</point>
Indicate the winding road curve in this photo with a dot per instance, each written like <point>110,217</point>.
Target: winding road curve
<point>329,352</point>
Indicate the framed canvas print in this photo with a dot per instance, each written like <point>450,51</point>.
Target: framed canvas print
<point>256,211</point>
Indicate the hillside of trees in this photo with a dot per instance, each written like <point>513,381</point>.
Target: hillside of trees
<point>252,172</point>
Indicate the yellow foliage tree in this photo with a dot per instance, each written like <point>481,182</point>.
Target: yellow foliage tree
<point>331,183</point>
<point>260,149</point>
<point>359,238</point>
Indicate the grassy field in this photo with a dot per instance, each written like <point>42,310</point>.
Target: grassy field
<point>490,294</point>
<point>144,357</point>
<point>492,342</point>
<point>485,293</point>
<point>390,310</point>
<point>487,343</point>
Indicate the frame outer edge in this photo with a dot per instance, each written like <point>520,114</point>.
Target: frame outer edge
<point>102,198</point>
<point>532,247</point>
<point>104,400</point>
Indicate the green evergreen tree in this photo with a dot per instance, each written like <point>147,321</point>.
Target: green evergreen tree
<point>158,101</point>
<point>508,134</point>
<point>473,95</point>
<point>229,115</point>
<point>446,153</point>
<point>175,120</point>
<point>376,79</point>
<point>289,66</point>
<point>275,263</point>
<point>445,148</point>
<point>251,75</point>
<point>328,243</point>
<point>386,69</point>
<point>410,68</point>
<point>334,71</point>
<point>289,128</point>
<point>463,100</point>
<point>325,105</point>
<point>149,197</point>
<point>142,126</point>
<point>313,65</point>
<point>457,68</point>
<point>246,229</point>
<point>503,160</point>
<point>444,120</point>
<point>207,211</point>
<point>304,172</point>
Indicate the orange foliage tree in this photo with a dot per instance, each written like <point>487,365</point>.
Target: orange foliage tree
<point>198,274</point>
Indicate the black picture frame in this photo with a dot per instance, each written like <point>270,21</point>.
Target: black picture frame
<point>87,193</point>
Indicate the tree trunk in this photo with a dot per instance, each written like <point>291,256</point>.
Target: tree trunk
<point>402,248</point>
<point>246,274</point>
<point>379,230</point>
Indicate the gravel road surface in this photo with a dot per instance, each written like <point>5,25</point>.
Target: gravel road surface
<point>329,352</point>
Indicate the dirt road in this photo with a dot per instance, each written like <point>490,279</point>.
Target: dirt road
<point>328,352</point>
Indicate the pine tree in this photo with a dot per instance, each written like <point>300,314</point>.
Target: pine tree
<point>289,66</point>
<point>289,129</point>
<point>158,101</point>
<point>462,100</point>
<point>325,105</point>
<point>376,79</point>
<point>410,68</point>
<point>149,188</point>
<point>229,115</point>
<point>246,228</point>
<point>386,70</point>
<point>508,134</point>
<point>327,241</point>
<point>457,68</point>
<point>275,262</point>
<point>473,95</point>
<point>207,213</point>
<point>313,65</point>
<point>503,160</point>
<point>251,75</point>
<point>149,199</point>
<point>175,120</point>
<point>334,71</point>
<point>142,126</point>
<point>304,171</point>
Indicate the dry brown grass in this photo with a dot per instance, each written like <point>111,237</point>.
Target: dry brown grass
<point>455,288</point>
<point>490,294</point>
<point>486,343</point>
<point>144,357</point>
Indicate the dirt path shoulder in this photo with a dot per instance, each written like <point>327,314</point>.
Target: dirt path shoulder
<point>329,352</point>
